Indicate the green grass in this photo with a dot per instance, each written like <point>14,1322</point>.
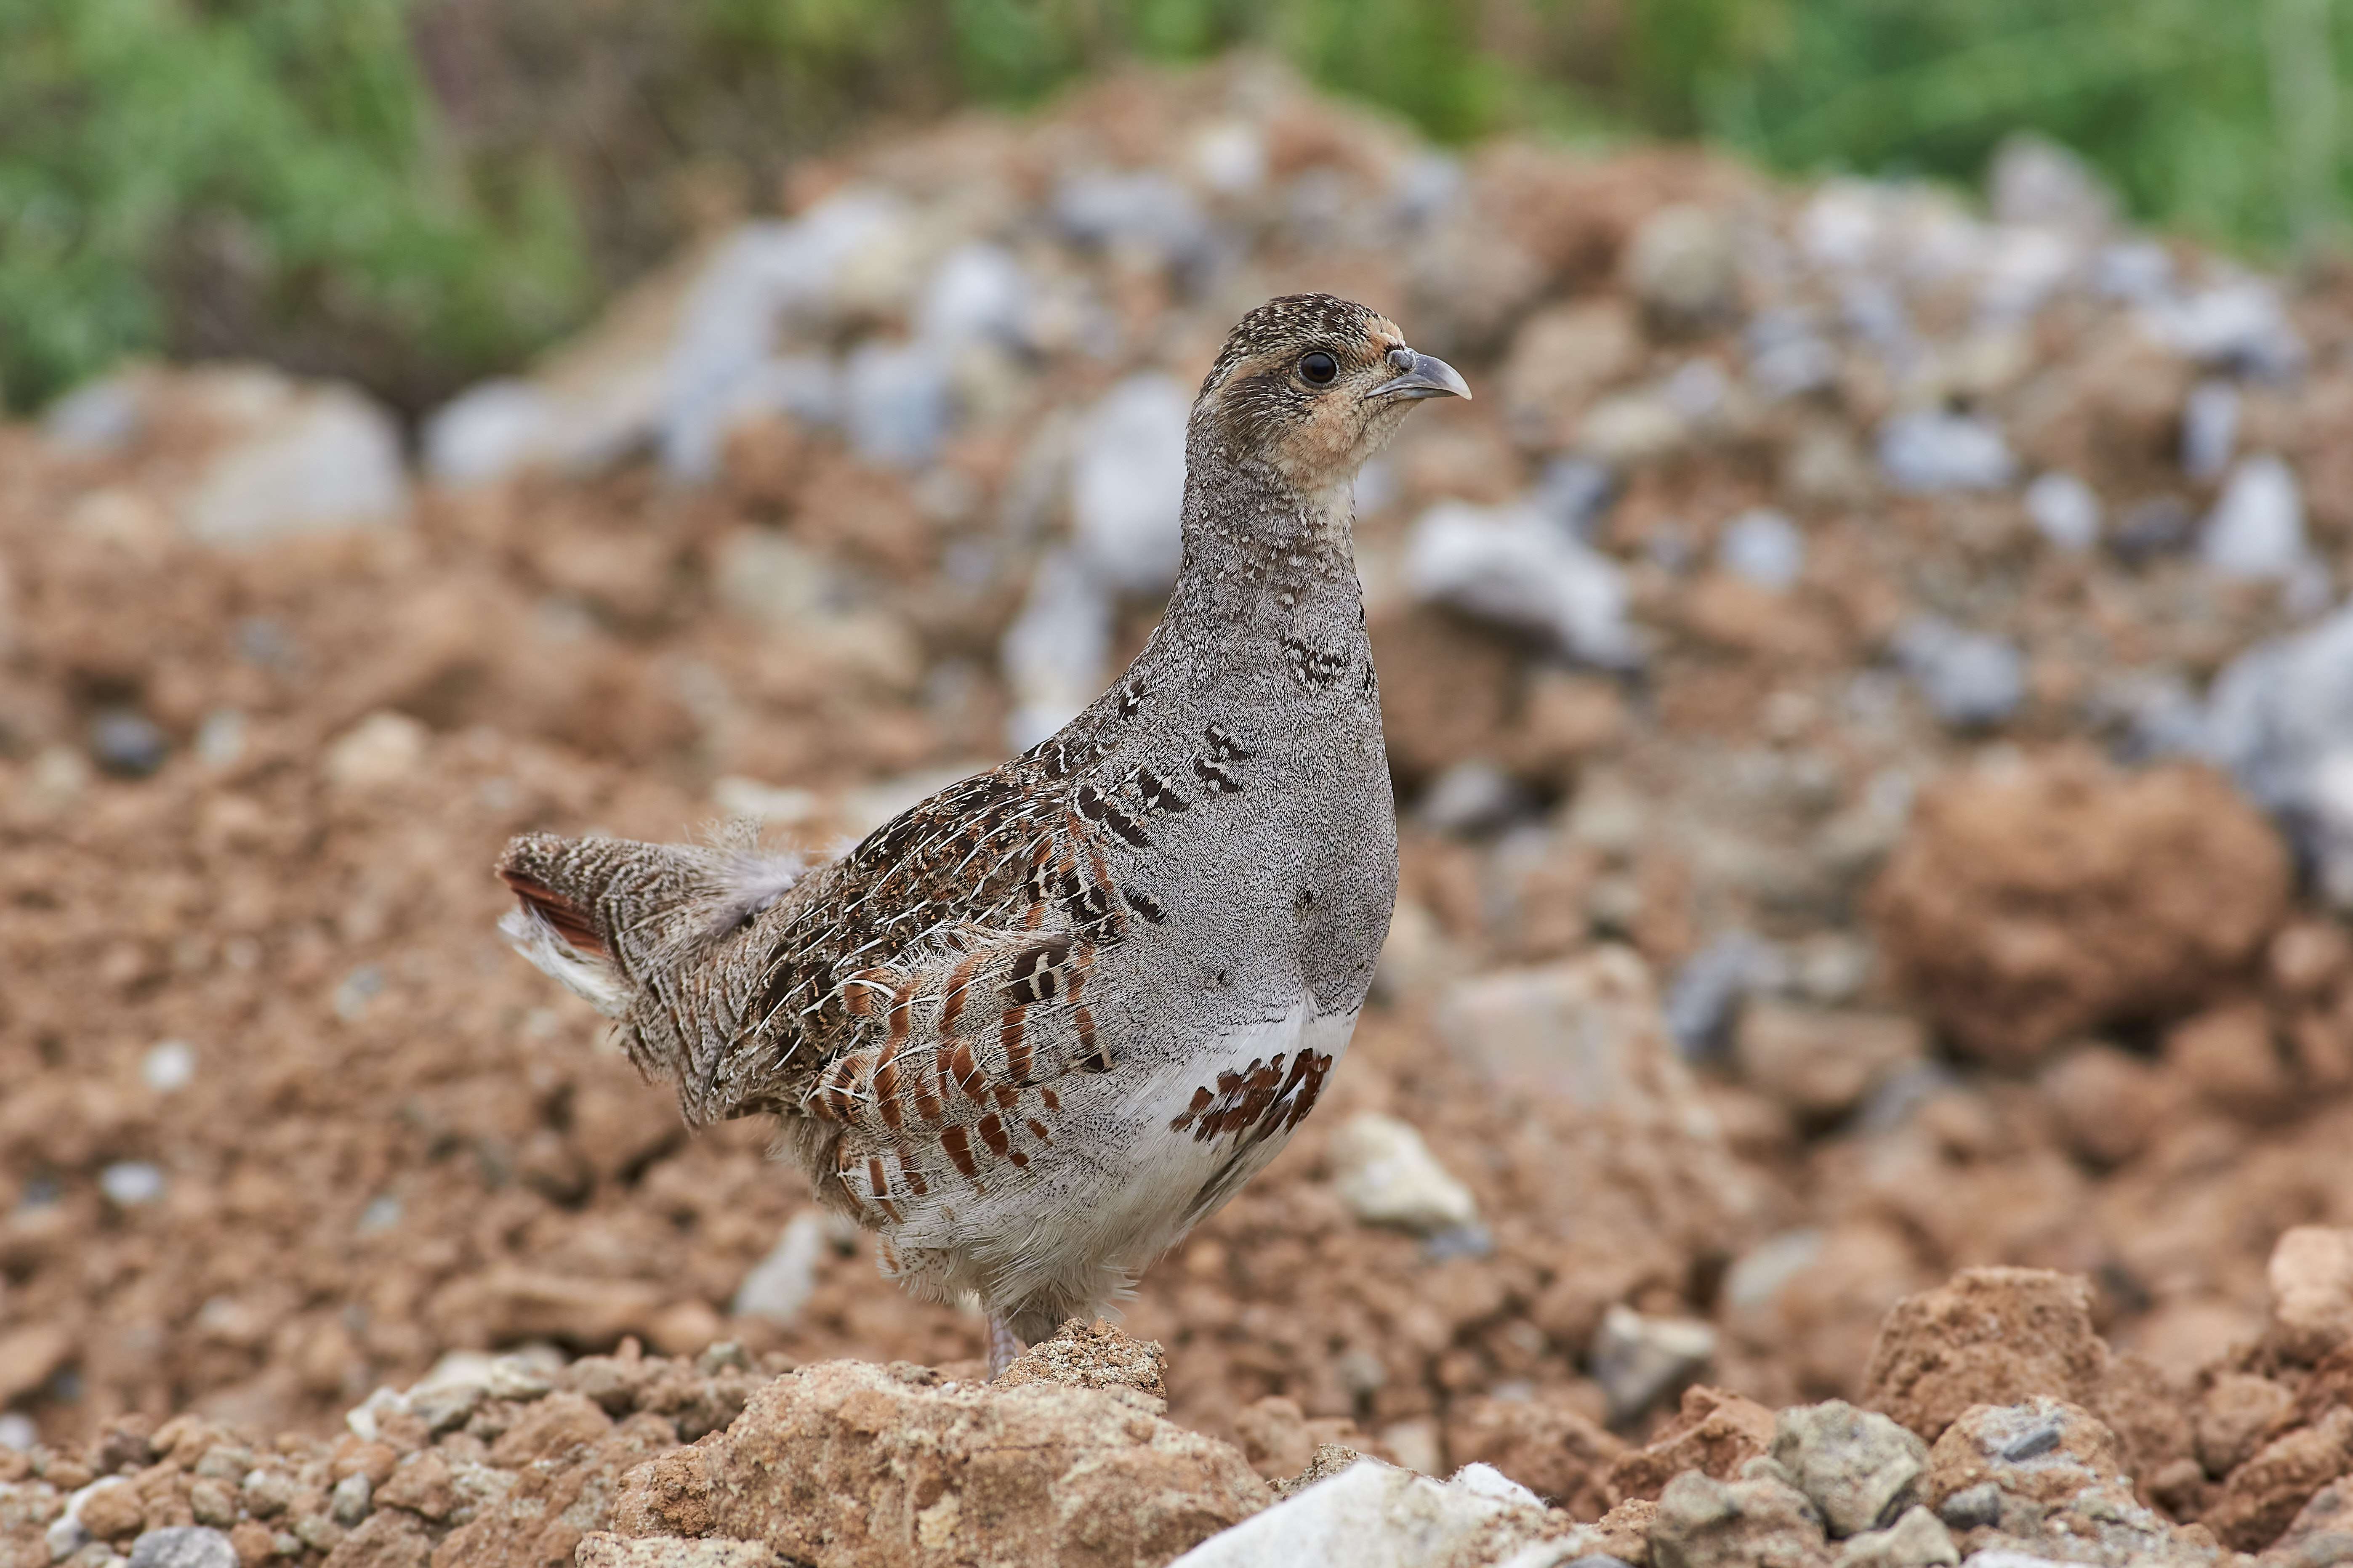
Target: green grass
<point>415,191</point>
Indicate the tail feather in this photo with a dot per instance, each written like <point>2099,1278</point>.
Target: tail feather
<point>626,926</point>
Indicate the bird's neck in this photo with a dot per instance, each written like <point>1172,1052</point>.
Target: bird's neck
<point>1260,553</point>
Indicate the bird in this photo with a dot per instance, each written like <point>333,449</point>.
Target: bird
<point>1035,1029</point>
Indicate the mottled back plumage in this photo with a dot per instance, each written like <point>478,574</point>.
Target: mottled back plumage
<point>1034,1028</point>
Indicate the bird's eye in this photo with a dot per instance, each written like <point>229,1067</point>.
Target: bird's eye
<point>1318,368</point>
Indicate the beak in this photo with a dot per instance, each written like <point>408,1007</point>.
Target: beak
<point>1421,375</point>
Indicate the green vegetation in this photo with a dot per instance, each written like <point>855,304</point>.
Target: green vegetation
<point>413,192</point>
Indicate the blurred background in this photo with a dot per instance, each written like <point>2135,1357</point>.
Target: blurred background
<point>1868,684</point>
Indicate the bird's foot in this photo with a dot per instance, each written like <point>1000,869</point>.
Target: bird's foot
<point>1004,1345</point>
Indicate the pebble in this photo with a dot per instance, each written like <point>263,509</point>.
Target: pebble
<point>102,415</point>
<point>127,744</point>
<point>1385,1174</point>
<point>2209,429</point>
<point>1573,493</point>
<point>1763,547</point>
<point>1862,1470</point>
<point>1127,484</point>
<point>1931,452</point>
<point>977,293</point>
<point>131,1183</point>
<point>1638,1360</point>
<point>1918,1540</point>
<point>2239,324</point>
<point>17,1432</point>
<point>895,402</point>
<point>1760,1274</point>
<point>220,738</point>
<point>352,1499</point>
<point>1512,565</point>
<point>1472,796</point>
<point>1056,652</point>
<point>1969,679</point>
<point>2065,510</point>
<point>381,749</point>
<point>780,1284</point>
<point>2035,180</point>
<point>169,1066</point>
<point>1972,1508</point>
<point>1681,265</point>
<point>489,430</point>
<point>1710,985</point>
<point>328,457</point>
<point>2256,529</point>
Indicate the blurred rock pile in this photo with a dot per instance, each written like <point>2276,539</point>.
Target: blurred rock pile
<point>1867,681</point>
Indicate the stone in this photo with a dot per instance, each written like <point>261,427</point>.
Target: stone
<point>1763,547</point>
<point>778,1286</point>
<point>1932,453</point>
<point>1989,1336</point>
<point>1543,1444</point>
<point>2032,902</point>
<point>1475,795</point>
<point>1385,1174</point>
<point>2237,324</point>
<point>2263,1496</point>
<point>380,749</point>
<point>2065,510</point>
<point>2040,1450</point>
<point>2311,1279</point>
<point>896,402</point>
<point>1714,1432</point>
<point>183,1546</point>
<point>979,293</point>
<point>352,1499</point>
<point>1128,483</point>
<point>1680,264</point>
<point>127,743</point>
<point>1638,1360</point>
<point>1820,1061</point>
<point>2236,1415</point>
<point>102,416</point>
<point>1373,1515</point>
<point>2256,529</point>
<point>2035,180</point>
<point>1918,1540</point>
<point>1861,1470</point>
<point>389,1539</point>
<point>169,1066</point>
<point>2321,1535</point>
<point>1091,1355</point>
<point>846,1463</point>
<point>1513,566</point>
<point>317,457</point>
<point>2209,429</point>
<point>2278,717</point>
<point>602,1548</point>
<point>1707,991</point>
<point>30,1355</point>
<point>132,1183</point>
<point>1760,1523</point>
<point>1970,679</point>
<point>1055,653</point>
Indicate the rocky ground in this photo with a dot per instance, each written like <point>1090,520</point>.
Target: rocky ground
<point>1875,734</point>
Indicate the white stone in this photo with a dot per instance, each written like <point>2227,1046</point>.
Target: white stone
<point>1764,547</point>
<point>102,416</point>
<point>1932,451</point>
<point>2239,323</point>
<point>1513,565</point>
<point>779,1285</point>
<point>489,430</point>
<point>381,749</point>
<point>1127,484</point>
<point>2256,529</point>
<point>896,404</point>
<point>1969,677</point>
<point>1386,1175</point>
<point>1637,1359</point>
<point>169,1066</point>
<point>1055,652</point>
<point>329,457</point>
<point>17,1431</point>
<point>1370,1515</point>
<point>131,1183</point>
<point>2035,180</point>
<point>1230,157</point>
<point>2210,428</point>
<point>2065,510</point>
<point>1487,1481</point>
<point>979,292</point>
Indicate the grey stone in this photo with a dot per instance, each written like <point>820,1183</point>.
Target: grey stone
<point>2139,272</point>
<point>1861,1470</point>
<point>2158,525</point>
<point>1708,988</point>
<point>1787,357</point>
<point>1930,452</point>
<point>183,1546</point>
<point>1764,547</point>
<point>1145,210</point>
<point>2209,429</point>
<point>1385,1174</point>
<point>1573,493</point>
<point>1972,1508</point>
<point>1969,679</point>
<point>1681,265</point>
<point>2065,510</point>
<point>2035,180</point>
<point>1512,565</point>
<point>2256,529</point>
<point>2238,324</point>
<point>780,1284</point>
<point>131,1182</point>
<point>1472,796</point>
<point>320,457</point>
<point>1707,1524</point>
<point>1128,483</point>
<point>489,430</point>
<point>128,744</point>
<point>977,293</point>
<point>1918,1540</point>
<point>1054,653</point>
<point>1640,1359</point>
<point>444,1407</point>
<point>896,406</point>
<point>1760,1274</point>
<point>102,415</point>
<point>354,1496</point>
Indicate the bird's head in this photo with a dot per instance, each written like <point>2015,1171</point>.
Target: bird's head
<point>1310,386</point>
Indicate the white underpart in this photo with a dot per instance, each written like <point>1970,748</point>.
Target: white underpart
<point>1090,1227</point>
<point>593,980</point>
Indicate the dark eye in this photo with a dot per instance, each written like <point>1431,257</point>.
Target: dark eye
<point>1318,368</point>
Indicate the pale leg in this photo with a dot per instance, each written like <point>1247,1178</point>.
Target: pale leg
<point>1004,1344</point>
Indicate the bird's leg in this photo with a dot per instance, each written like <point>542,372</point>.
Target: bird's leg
<point>1004,1344</point>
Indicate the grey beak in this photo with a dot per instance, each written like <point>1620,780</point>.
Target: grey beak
<point>1422,376</point>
